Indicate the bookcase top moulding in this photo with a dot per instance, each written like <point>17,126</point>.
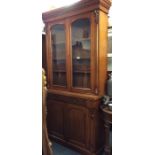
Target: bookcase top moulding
<point>82,6</point>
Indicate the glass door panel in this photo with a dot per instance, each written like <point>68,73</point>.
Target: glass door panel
<point>81,53</point>
<point>58,55</point>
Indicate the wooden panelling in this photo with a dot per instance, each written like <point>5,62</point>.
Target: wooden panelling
<point>76,125</point>
<point>73,123</point>
<point>73,112</point>
<point>55,118</point>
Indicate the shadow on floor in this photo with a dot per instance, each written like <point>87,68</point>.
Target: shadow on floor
<point>62,150</point>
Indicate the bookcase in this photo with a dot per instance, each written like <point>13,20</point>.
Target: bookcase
<point>76,60</point>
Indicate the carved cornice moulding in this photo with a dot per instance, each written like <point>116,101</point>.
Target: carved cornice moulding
<point>82,6</point>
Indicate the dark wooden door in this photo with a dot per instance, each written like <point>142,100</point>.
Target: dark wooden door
<point>76,125</point>
<point>55,118</point>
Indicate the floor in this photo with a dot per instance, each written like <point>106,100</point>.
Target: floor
<point>61,150</point>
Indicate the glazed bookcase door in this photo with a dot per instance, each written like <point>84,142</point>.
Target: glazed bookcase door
<point>81,53</point>
<point>58,55</point>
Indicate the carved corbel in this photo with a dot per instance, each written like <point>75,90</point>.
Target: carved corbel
<point>96,13</point>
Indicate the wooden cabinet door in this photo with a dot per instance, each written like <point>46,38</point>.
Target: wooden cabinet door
<point>57,55</point>
<point>55,118</point>
<point>82,53</point>
<point>76,125</point>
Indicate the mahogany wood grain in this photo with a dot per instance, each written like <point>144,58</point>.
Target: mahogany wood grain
<point>76,123</point>
<point>48,55</point>
<point>73,113</point>
<point>80,7</point>
<point>55,118</point>
<point>68,59</point>
<point>103,43</point>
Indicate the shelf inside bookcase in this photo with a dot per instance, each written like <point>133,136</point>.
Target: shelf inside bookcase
<point>59,71</point>
<point>62,60</point>
<point>80,39</point>
<point>81,79</point>
<point>59,78</point>
<point>83,72</point>
<point>59,43</point>
<point>81,60</point>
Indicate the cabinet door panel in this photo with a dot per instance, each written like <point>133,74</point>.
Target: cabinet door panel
<point>76,125</point>
<point>55,118</point>
<point>58,41</point>
<point>81,53</point>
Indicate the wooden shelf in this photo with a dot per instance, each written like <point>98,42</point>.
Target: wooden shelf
<point>81,58</point>
<point>58,43</point>
<point>82,39</point>
<point>81,49</point>
<point>58,59</point>
<point>59,71</point>
<point>83,72</point>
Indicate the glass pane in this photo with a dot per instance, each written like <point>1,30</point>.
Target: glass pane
<point>81,53</point>
<point>59,55</point>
